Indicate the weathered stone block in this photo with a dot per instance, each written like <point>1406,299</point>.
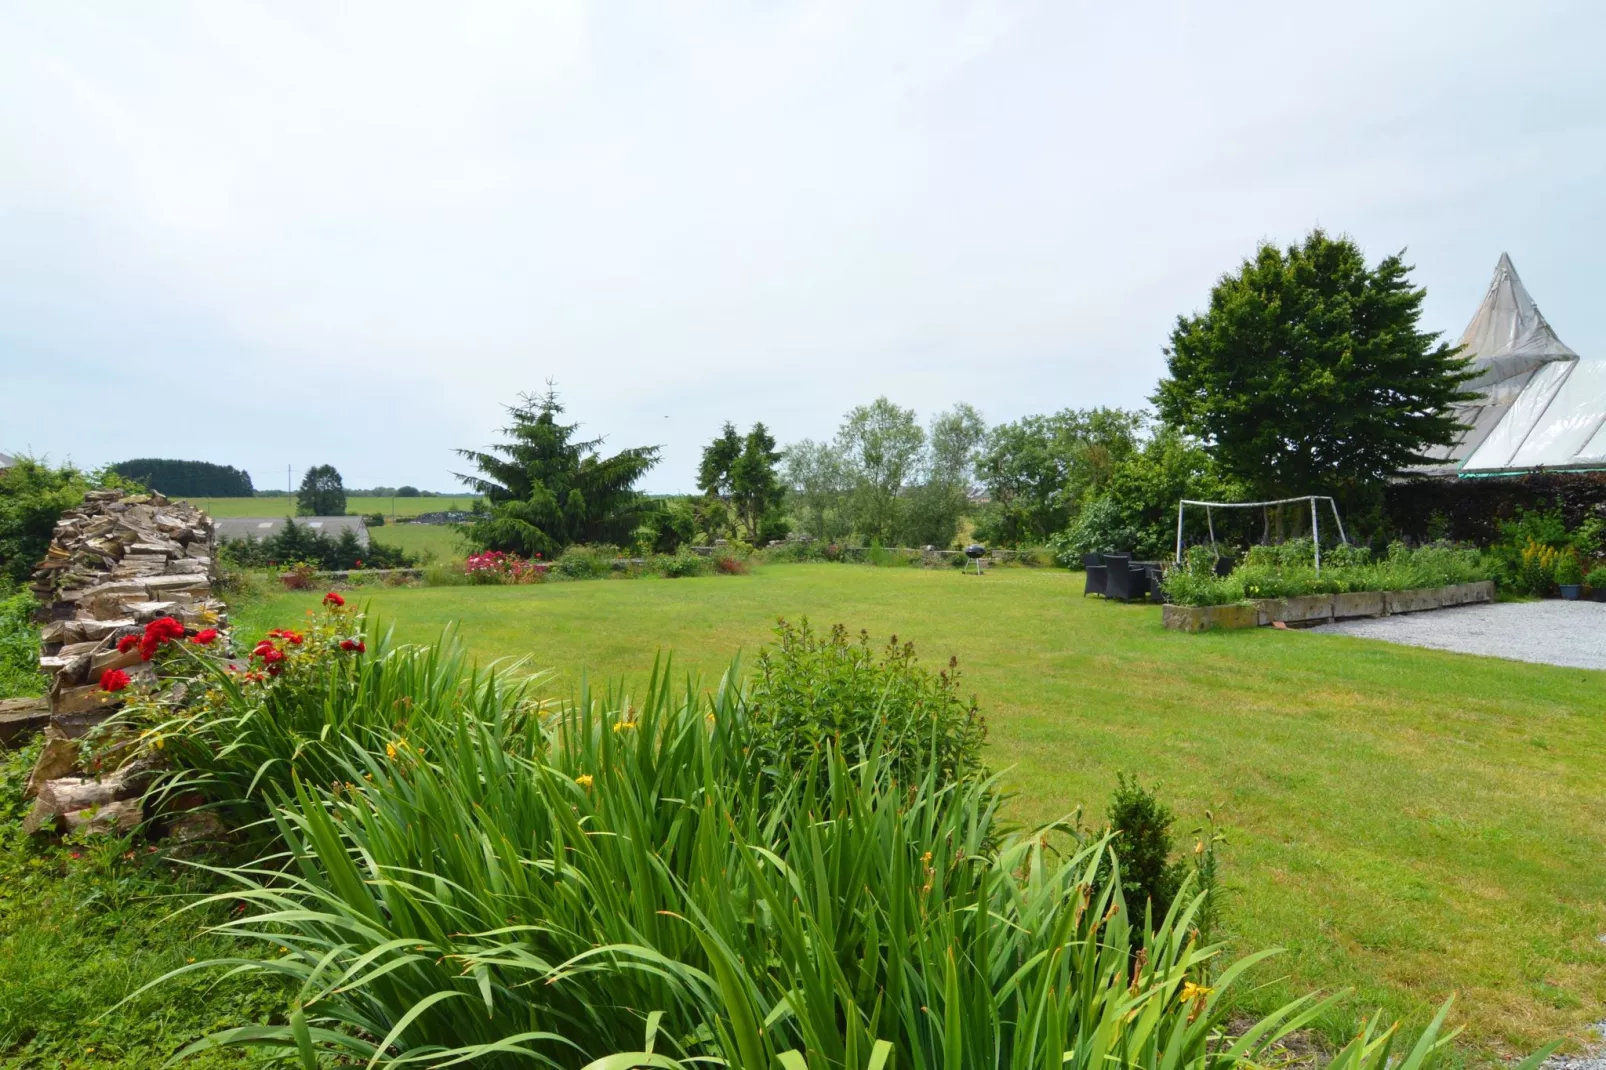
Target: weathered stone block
<point>21,718</point>
<point>1358,604</point>
<point>1207,618</point>
<point>1301,609</point>
<point>89,698</point>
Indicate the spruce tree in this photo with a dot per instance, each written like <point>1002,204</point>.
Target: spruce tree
<point>546,491</point>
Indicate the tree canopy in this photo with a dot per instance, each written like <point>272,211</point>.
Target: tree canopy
<point>1308,373</point>
<point>742,472</point>
<point>321,492</point>
<point>1040,470</point>
<point>187,479</point>
<point>546,491</point>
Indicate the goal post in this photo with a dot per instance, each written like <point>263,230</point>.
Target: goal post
<point>1315,529</point>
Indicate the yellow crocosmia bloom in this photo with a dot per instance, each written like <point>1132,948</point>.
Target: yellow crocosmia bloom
<point>584,780</point>
<point>390,750</point>
<point>1192,991</point>
<point>623,725</point>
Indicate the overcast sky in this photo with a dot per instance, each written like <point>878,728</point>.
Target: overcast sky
<point>346,233</point>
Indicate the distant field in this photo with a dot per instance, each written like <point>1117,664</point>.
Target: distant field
<point>232,507</point>
<point>422,539</point>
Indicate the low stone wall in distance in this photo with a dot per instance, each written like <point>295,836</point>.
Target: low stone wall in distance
<point>1308,610</point>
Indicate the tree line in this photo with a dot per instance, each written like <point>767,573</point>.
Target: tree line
<point>1307,373</point>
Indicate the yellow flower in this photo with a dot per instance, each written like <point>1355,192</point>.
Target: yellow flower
<point>620,726</point>
<point>390,750</point>
<point>1192,991</point>
<point>584,780</point>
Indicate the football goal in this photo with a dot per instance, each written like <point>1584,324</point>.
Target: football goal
<point>1315,526</point>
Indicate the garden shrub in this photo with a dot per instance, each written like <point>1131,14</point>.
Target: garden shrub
<point>812,692</point>
<point>298,542</point>
<point>19,647</point>
<point>679,564</point>
<point>32,498</point>
<point>1596,578</point>
<point>1568,571</point>
<point>494,566</point>
<point>374,520</point>
<point>581,562</point>
<point>1142,847</point>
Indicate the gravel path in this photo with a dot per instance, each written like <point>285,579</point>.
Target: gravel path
<point>1552,631</point>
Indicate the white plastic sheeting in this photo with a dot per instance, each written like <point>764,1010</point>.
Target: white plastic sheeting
<point>1540,404</point>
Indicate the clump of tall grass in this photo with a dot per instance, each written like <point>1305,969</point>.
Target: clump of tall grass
<point>607,886</point>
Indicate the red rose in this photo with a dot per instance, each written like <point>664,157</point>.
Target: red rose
<point>272,655</point>
<point>127,643</point>
<point>205,636</point>
<point>348,644</point>
<point>333,599</point>
<point>359,564</point>
<point>113,680</point>
<point>362,647</point>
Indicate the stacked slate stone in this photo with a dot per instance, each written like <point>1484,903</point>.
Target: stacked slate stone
<point>115,564</point>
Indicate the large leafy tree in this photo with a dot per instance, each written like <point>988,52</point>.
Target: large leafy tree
<point>546,491</point>
<point>1040,470</point>
<point>741,472</point>
<point>1308,373</point>
<point>322,493</point>
<point>942,497</point>
<point>881,446</point>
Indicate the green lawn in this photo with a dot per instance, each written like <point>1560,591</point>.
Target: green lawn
<point>234,507</point>
<point>1406,822</point>
<point>422,539</point>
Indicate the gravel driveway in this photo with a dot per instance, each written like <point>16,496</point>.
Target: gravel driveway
<point>1552,631</point>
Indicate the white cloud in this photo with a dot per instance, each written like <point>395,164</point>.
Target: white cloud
<point>348,233</point>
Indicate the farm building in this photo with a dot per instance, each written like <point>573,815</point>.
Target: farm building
<point>1540,405</point>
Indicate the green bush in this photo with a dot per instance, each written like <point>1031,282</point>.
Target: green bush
<point>1568,571</point>
<point>586,562</point>
<point>374,520</point>
<point>32,498</point>
<point>814,692</point>
<point>679,564</point>
<point>19,648</point>
<point>298,542</point>
<point>1141,843</point>
<point>1597,578</point>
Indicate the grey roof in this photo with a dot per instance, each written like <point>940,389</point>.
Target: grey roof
<point>263,527</point>
<point>6,461</point>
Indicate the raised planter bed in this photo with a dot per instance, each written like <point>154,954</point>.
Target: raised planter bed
<point>1311,609</point>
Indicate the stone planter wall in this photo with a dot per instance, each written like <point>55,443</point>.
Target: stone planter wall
<point>1311,609</point>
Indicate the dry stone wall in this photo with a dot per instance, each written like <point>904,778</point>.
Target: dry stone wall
<point>115,564</point>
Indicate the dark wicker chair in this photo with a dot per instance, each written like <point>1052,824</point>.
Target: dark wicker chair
<point>1125,582</point>
<point>1093,566</point>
